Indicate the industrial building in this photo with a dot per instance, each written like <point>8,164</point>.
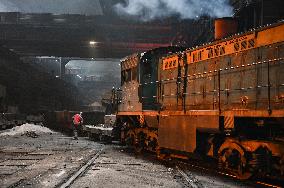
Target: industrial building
<point>143,73</point>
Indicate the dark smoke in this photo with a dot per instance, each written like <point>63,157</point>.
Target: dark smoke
<point>185,9</point>
<point>86,7</point>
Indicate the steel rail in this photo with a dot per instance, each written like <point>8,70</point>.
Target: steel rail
<point>190,180</point>
<point>227,174</point>
<point>81,170</point>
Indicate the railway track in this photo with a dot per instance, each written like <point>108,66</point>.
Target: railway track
<point>185,170</point>
<point>82,170</point>
<point>189,178</point>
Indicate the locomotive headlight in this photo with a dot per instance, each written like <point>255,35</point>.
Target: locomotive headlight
<point>93,43</point>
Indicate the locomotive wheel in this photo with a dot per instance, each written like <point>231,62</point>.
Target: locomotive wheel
<point>130,138</point>
<point>139,142</point>
<point>135,141</point>
<point>234,160</point>
<point>161,155</point>
<point>153,145</point>
<point>138,149</point>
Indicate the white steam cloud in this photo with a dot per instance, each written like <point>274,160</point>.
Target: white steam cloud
<point>185,9</point>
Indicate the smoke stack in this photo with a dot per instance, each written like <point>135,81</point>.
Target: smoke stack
<point>225,27</point>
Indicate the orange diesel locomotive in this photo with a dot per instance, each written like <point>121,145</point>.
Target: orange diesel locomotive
<point>224,99</point>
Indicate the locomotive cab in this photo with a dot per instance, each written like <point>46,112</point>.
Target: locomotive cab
<point>149,82</point>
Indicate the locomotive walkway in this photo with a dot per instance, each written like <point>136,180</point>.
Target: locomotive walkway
<point>51,159</point>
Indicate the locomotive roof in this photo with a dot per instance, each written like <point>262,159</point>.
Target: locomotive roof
<point>164,50</point>
<point>130,56</point>
<point>234,36</point>
<point>174,50</point>
<point>171,49</point>
<point>237,35</point>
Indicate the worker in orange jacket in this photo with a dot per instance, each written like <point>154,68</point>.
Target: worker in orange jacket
<point>77,121</point>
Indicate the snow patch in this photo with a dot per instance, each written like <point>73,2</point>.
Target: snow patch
<point>23,129</point>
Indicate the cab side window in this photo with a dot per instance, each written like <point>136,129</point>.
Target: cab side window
<point>128,75</point>
<point>122,77</point>
<point>134,73</point>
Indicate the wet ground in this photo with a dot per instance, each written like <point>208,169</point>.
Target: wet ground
<point>50,159</point>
